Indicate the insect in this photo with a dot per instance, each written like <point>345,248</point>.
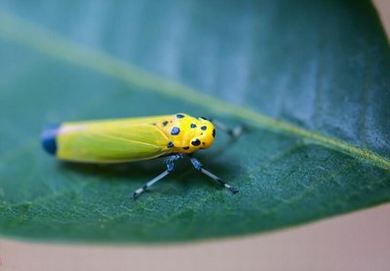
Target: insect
<point>135,139</point>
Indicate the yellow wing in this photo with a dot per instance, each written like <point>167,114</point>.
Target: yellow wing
<point>112,141</point>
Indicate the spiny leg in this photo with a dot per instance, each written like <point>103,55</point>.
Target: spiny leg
<point>198,166</point>
<point>142,189</point>
<point>170,163</point>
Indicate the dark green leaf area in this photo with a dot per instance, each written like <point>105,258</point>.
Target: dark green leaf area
<point>282,182</point>
<point>322,65</point>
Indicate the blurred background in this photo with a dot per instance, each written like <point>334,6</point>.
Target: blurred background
<point>291,70</point>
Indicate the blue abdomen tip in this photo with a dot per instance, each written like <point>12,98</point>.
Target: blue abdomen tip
<point>49,138</point>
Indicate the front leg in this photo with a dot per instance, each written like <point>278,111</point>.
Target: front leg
<point>170,164</point>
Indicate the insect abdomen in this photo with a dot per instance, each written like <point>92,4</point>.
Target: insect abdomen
<point>49,139</point>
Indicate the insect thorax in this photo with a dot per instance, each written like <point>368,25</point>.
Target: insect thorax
<point>187,134</point>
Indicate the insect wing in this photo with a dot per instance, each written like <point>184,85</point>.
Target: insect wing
<point>110,141</point>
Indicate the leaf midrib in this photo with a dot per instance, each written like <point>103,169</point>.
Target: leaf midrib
<point>26,33</point>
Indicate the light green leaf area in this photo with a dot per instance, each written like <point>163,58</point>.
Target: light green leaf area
<point>311,80</point>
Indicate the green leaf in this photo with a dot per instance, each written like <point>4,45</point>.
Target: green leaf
<point>310,78</point>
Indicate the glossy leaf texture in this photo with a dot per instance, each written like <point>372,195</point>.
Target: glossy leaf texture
<point>311,80</point>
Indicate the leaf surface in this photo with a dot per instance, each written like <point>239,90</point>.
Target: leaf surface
<point>311,79</point>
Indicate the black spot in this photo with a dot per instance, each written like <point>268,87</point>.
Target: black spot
<point>186,148</point>
<point>193,125</point>
<point>203,118</point>
<point>180,116</point>
<point>195,142</point>
<point>213,132</point>
<point>154,123</point>
<point>175,131</point>
<point>165,122</point>
<point>170,144</point>
<point>203,143</point>
<point>203,128</point>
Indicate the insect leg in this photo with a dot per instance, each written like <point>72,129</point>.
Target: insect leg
<point>170,163</point>
<point>198,166</point>
<point>232,132</point>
